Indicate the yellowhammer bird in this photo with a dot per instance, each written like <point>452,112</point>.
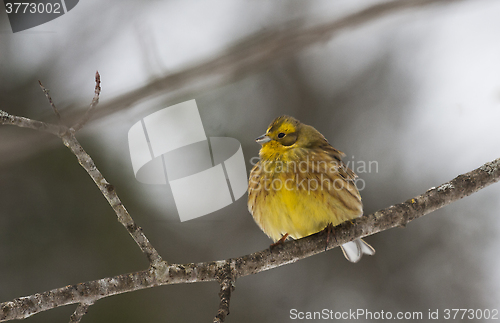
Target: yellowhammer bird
<point>300,185</point>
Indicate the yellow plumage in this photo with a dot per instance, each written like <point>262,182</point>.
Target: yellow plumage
<point>300,185</point>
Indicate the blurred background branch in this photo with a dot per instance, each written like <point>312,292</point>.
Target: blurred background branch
<point>248,56</point>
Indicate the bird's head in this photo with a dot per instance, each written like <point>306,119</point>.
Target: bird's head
<point>282,132</point>
<point>284,135</point>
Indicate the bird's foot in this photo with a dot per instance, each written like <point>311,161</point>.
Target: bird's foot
<point>280,241</point>
<point>329,231</point>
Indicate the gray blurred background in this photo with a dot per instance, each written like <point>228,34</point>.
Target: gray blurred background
<point>417,91</point>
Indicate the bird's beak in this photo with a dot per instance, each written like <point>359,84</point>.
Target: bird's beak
<point>263,139</point>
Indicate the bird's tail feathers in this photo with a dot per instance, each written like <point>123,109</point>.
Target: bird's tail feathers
<point>353,250</point>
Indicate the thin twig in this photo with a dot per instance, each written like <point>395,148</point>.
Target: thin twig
<point>47,94</point>
<point>97,91</point>
<point>79,312</point>
<point>289,252</point>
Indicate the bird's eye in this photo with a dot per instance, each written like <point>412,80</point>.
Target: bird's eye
<point>281,135</point>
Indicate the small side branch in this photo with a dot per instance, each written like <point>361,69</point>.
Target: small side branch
<point>80,311</point>
<point>227,280</point>
<point>226,288</point>
<point>46,92</point>
<point>93,104</point>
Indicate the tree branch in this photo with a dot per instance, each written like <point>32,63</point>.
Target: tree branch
<point>289,252</point>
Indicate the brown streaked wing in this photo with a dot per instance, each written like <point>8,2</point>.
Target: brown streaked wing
<point>337,170</point>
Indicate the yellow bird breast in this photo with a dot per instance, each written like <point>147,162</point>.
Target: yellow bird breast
<point>300,203</point>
